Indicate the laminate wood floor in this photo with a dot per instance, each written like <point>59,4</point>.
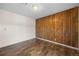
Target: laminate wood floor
<point>37,47</point>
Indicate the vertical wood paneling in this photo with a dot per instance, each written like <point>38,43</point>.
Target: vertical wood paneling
<point>61,27</point>
<point>68,28</point>
<point>52,28</point>
<point>78,27</point>
<point>74,27</point>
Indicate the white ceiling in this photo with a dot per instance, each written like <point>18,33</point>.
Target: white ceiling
<point>43,10</point>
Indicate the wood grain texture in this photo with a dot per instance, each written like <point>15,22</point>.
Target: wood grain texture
<point>37,47</point>
<point>78,27</point>
<point>61,27</point>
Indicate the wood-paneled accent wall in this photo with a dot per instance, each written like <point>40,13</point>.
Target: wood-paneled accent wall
<point>61,27</point>
<point>78,27</point>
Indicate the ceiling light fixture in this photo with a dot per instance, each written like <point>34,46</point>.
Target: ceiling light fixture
<point>35,8</point>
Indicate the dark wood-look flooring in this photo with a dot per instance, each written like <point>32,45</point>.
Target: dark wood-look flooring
<point>37,48</point>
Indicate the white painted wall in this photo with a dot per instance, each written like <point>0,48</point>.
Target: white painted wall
<point>15,28</point>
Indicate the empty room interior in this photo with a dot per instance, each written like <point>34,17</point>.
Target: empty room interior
<point>39,29</point>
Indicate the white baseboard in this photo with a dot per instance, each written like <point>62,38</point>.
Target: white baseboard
<point>59,43</point>
<point>10,44</point>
